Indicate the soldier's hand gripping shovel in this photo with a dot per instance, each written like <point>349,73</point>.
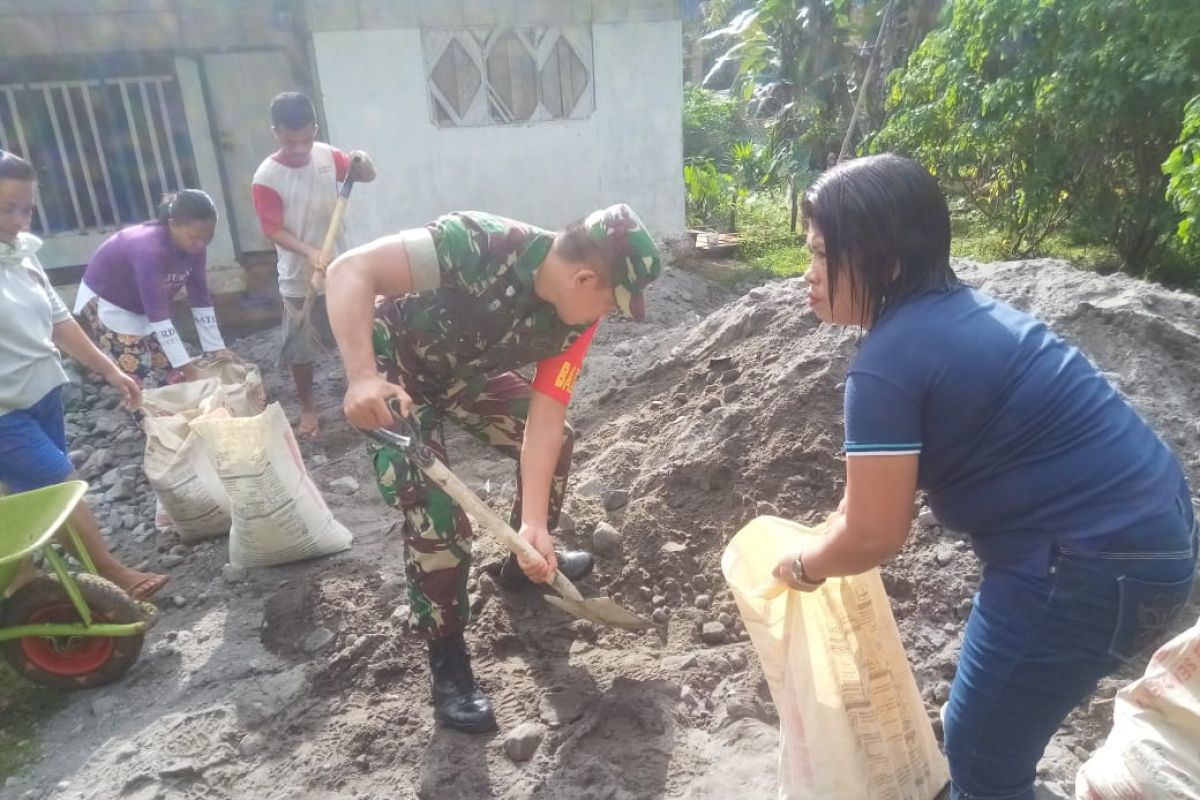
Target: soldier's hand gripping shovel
<point>602,610</point>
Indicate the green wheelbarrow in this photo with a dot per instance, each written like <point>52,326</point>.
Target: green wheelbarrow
<point>66,631</point>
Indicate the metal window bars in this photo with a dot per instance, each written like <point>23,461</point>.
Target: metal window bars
<point>105,149</point>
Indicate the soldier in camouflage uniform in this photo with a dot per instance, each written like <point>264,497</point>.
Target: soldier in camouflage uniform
<point>463,303</point>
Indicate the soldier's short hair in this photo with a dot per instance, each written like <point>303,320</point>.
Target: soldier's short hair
<point>577,246</point>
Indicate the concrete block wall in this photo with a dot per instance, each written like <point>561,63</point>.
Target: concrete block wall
<point>349,15</point>
<point>58,28</point>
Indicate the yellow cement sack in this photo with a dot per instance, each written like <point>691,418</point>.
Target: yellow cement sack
<point>279,515</point>
<point>1153,750</point>
<point>852,724</point>
<point>190,495</point>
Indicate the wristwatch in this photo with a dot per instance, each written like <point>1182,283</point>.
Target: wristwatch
<point>799,580</point>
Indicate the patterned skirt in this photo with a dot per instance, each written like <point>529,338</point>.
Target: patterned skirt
<point>140,357</point>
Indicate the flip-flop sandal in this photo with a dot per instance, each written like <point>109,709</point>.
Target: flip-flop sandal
<point>148,587</point>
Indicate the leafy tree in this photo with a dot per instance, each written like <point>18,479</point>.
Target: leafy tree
<point>1052,113</point>
<point>800,66</point>
<point>1183,167</point>
<point>713,122</point>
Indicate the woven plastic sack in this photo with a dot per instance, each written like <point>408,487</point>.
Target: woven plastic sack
<point>279,516</point>
<point>852,723</point>
<point>1153,750</point>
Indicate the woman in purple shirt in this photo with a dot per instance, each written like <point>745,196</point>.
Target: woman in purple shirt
<point>125,298</point>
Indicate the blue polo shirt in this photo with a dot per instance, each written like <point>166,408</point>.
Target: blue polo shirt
<point>1022,442</point>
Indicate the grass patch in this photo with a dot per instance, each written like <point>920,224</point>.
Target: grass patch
<point>973,239</point>
<point>22,706</point>
<point>768,249</point>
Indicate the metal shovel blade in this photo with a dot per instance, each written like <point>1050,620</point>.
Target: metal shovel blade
<point>601,610</point>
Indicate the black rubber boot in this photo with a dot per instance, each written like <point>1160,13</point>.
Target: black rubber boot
<point>458,701</point>
<point>575,564</point>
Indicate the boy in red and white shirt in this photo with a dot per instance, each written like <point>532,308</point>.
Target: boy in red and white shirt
<point>295,191</point>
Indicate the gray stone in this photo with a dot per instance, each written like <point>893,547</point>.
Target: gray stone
<point>765,509</point>
<point>252,744</point>
<point>233,573</point>
<point>658,600</point>
<point>926,519</point>
<point>124,751</point>
<point>712,633</point>
<point>344,485</point>
<point>592,487</point>
<point>318,640</point>
<point>730,375</point>
<point>272,695</point>
<point>391,589</point>
<point>737,660</point>
<point>179,600</point>
<point>661,616</point>
<point>97,462</point>
<point>566,523</point>
<point>78,457</point>
<point>558,707</point>
<point>614,499</point>
<point>131,470</point>
<point>964,608</point>
<point>109,478</point>
<point>171,561</point>
<point>708,404</point>
<point>725,619</point>
<point>121,490</point>
<point>700,581</point>
<point>731,393</point>
<point>109,423</point>
<point>703,602</point>
<point>523,741</point>
<point>606,540</point>
<point>944,555</point>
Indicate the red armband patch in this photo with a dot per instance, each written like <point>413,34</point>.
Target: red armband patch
<point>555,377</point>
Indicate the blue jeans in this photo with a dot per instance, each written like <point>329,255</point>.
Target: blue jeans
<point>1037,645</point>
<point>33,445</point>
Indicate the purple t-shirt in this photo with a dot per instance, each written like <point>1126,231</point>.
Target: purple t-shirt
<point>139,270</point>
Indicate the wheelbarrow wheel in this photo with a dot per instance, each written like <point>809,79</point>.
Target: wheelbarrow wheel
<point>81,662</point>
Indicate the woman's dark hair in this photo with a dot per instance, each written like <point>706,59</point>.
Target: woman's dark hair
<point>15,168</point>
<point>577,246</point>
<point>292,110</point>
<point>187,205</point>
<point>886,226</point>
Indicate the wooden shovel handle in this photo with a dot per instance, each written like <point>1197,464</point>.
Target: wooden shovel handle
<point>335,223</point>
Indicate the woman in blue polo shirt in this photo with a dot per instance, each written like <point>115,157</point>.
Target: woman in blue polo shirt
<point>1079,512</point>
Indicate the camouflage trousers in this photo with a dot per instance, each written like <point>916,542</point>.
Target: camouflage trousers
<point>437,534</point>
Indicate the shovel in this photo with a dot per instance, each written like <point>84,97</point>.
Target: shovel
<point>297,322</point>
<point>601,610</point>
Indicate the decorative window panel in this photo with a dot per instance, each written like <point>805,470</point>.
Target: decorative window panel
<point>504,76</point>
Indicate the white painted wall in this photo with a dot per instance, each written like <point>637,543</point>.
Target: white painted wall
<point>548,174</point>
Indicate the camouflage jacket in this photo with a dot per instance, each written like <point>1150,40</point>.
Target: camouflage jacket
<point>474,312</point>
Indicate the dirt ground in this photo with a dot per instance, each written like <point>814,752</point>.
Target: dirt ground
<point>301,681</point>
